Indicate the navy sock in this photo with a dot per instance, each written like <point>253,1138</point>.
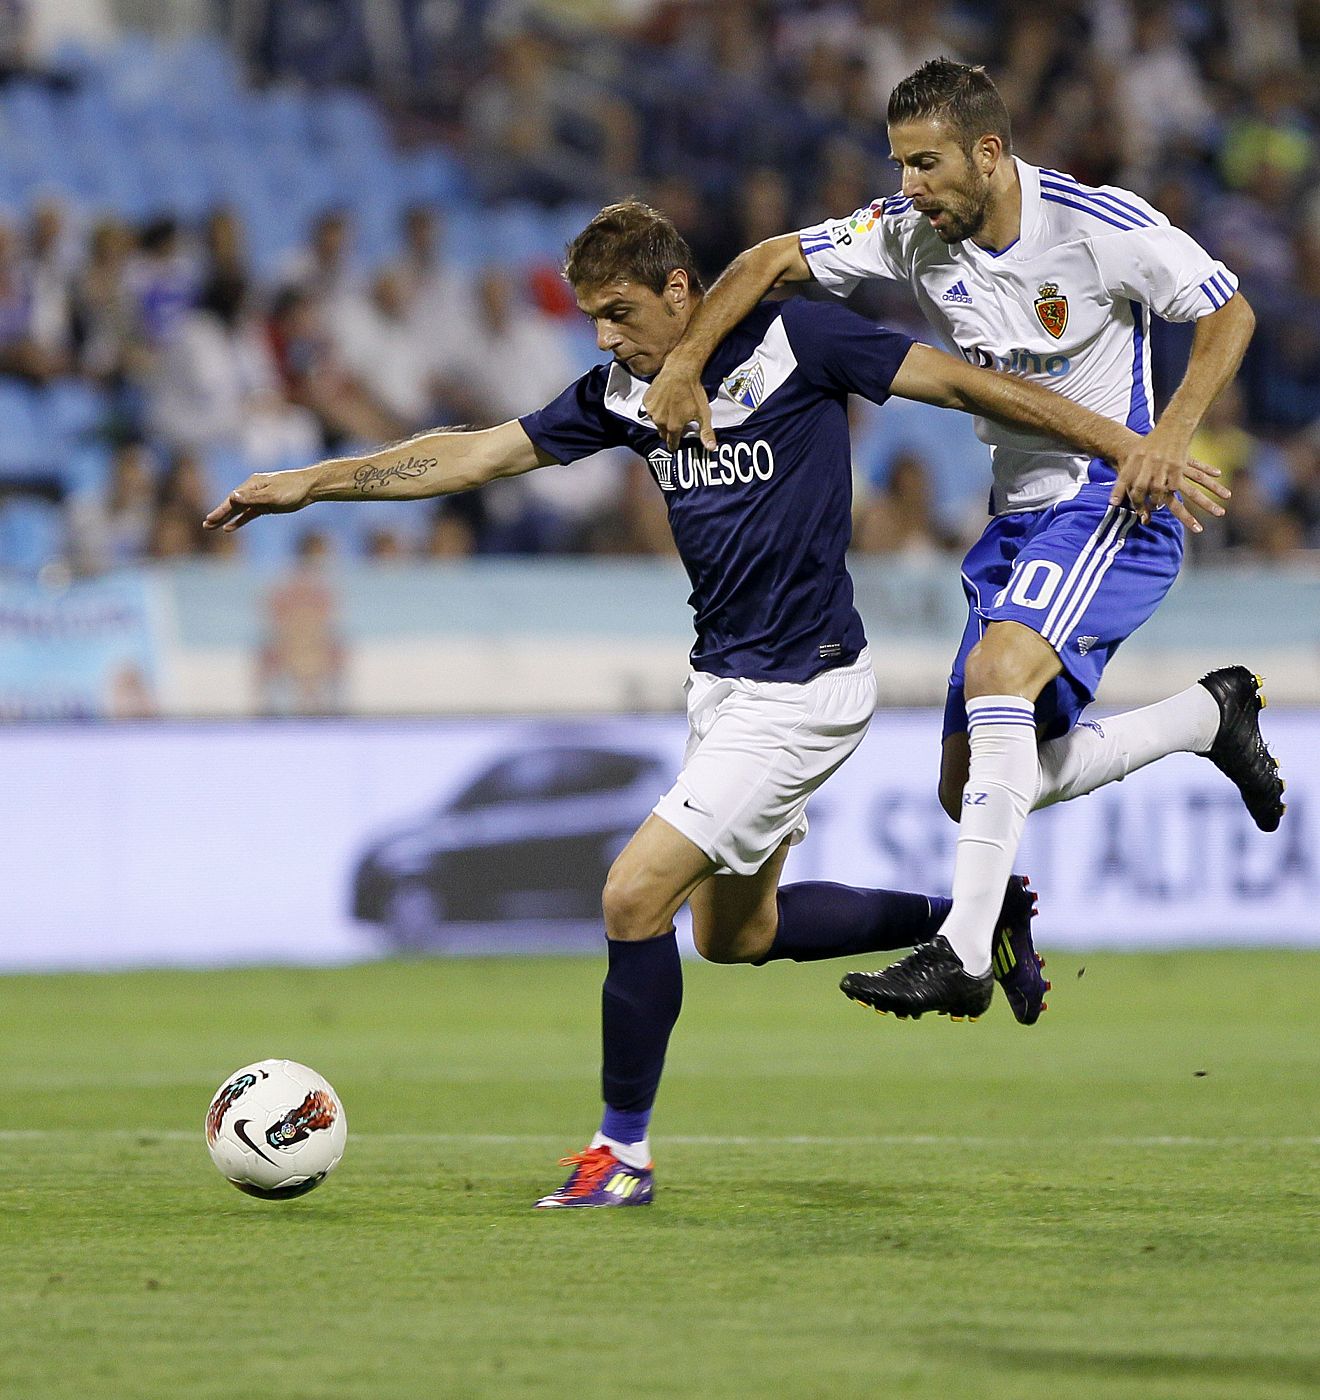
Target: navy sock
<point>640,1002</point>
<point>820,920</point>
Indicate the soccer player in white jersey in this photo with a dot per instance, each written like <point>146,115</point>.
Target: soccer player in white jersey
<point>1029,271</point>
<point>782,689</point>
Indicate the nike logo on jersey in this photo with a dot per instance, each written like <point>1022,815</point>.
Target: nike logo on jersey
<point>958,293</point>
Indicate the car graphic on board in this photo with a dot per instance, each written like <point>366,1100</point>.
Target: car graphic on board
<point>516,858</point>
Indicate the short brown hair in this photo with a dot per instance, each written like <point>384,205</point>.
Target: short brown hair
<point>632,242</point>
<point>959,96</point>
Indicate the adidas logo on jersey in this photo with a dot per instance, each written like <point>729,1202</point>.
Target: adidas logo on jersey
<point>1084,644</point>
<point>959,294</point>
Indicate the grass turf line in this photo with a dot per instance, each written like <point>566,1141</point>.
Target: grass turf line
<point>1121,1201</point>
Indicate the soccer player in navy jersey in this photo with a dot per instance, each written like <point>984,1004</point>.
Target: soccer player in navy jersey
<point>781,689</point>
<point>1033,272</point>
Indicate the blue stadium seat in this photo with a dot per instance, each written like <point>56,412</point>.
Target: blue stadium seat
<point>24,448</point>
<point>70,410</point>
<point>346,121</point>
<point>32,534</point>
<point>205,65</point>
<point>30,107</point>
<point>433,176</point>
<point>85,468</point>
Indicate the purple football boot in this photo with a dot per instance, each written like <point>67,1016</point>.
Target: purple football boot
<point>1013,957</point>
<point>598,1178</point>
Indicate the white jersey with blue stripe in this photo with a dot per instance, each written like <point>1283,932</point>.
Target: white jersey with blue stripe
<point>1068,304</point>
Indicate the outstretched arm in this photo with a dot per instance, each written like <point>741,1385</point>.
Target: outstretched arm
<point>1153,472</point>
<point>937,378</point>
<point>676,398</point>
<point>432,464</point>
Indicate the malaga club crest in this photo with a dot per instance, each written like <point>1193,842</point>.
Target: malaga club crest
<point>1052,309</point>
<point>747,385</point>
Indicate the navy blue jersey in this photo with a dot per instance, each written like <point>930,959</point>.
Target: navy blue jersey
<point>762,523</point>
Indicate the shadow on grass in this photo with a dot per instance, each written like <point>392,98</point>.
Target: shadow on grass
<point>1155,1366</point>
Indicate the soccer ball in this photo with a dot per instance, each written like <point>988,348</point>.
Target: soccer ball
<point>276,1129</point>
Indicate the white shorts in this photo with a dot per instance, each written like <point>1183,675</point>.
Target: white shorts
<point>756,751</point>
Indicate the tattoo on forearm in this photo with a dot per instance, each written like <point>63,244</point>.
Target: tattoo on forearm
<point>368,477</point>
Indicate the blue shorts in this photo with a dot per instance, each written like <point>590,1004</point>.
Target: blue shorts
<point>1084,574</point>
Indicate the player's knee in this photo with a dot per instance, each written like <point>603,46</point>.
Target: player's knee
<point>991,671</point>
<point>628,907</point>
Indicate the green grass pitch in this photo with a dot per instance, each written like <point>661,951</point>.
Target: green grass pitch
<point>1122,1201</point>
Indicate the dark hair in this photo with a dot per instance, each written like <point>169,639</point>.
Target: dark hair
<point>959,96</point>
<point>224,296</point>
<point>629,241</point>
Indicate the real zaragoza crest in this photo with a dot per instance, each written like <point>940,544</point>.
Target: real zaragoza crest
<point>1052,309</point>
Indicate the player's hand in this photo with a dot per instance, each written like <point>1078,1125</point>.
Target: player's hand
<point>1202,491</point>
<point>264,493</point>
<point>1151,476</point>
<point>675,400</point>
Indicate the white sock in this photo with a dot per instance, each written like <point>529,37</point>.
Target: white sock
<point>1003,778</point>
<point>631,1154</point>
<point>1106,751</point>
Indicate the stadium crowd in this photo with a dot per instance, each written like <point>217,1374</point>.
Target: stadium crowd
<point>185,358</point>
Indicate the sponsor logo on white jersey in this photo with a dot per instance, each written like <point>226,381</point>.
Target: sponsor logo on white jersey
<point>958,293</point>
<point>730,464</point>
<point>1020,361</point>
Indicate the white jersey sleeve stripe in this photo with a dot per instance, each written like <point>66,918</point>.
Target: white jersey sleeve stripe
<point>1099,200</point>
<point>1218,290</point>
<point>1110,216</point>
<point>1075,186</point>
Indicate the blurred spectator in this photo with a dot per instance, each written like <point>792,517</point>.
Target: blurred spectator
<point>898,519</point>
<point>1284,365</point>
<point>452,535</point>
<point>385,545</point>
<point>546,134</point>
<point>324,269</point>
<point>184,496</point>
<point>388,355</point>
<point>1163,95</point>
<point>514,357</point>
<point>438,299</point>
<point>224,244</point>
<point>22,351</point>
<point>313,376</point>
<point>53,265</point>
<point>897,38</point>
<point>163,279</point>
<point>1302,498</point>
<point>104,308</point>
<point>218,386</point>
<point>115,529</point>
<point>1272,133</point>
<point>301,664</point>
